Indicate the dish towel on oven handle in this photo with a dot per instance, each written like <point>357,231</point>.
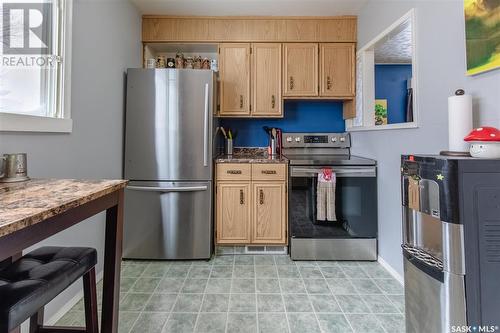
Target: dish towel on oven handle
<point>325,200</point>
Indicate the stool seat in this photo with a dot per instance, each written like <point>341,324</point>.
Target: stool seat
<point>34,280</point>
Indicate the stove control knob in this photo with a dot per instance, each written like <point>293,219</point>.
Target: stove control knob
<point>297,139</point>
<point>334,139</point>
<point>342,139</point>
<point>289,139</point>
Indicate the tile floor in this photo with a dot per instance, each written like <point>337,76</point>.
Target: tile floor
<point>265,293</point>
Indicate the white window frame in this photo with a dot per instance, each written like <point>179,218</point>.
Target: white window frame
<point>12,122</point>
<point>365,95</point>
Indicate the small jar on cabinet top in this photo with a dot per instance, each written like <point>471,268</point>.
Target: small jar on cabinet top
<point>160,62</point>
<point>179,60</point>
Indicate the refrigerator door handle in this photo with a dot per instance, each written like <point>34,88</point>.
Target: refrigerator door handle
<point>168,189</point>
<point>205,129</point>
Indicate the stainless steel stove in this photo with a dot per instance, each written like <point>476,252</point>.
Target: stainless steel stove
<point>353,234</point>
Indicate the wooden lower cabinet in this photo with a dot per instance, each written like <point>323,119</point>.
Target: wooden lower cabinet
<point>233,212</point>
<point>269,213</point>
<point>252,212</point>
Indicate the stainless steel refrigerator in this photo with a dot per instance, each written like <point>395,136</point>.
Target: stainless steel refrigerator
<point>169,145</point>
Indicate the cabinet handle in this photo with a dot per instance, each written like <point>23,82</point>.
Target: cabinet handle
<point>261,197</point>
<point>291,83</point>
<point>242,198</point>
<point>241,101</point>
<point>273,101</point>
<point>328,83</point>
<point>234,172</point>
<point>268,172</point>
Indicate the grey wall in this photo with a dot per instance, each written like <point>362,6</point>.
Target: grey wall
<point>441,70</point>
<point>106,40</point>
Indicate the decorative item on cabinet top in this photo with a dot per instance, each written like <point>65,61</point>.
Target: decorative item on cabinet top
<point>178,55</point>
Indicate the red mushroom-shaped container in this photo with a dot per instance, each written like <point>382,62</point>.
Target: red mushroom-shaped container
<point>485,142</point>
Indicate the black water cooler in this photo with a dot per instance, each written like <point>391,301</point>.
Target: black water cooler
<point>451,243</point>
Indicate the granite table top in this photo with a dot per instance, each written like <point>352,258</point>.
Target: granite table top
<point>26,203</point>
<point>250,155</point>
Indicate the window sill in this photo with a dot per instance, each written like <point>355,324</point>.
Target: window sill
<point>382,127</point>
<point>10,122</point>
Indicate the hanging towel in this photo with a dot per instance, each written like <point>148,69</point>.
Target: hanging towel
<point>409,101</point>
<point>325,199</point>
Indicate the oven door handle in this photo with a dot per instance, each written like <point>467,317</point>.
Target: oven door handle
<point>340,172</point>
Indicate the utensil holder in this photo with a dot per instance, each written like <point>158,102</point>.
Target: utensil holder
<point>229,147</point>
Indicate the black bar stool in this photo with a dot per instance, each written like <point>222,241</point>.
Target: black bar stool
<point>30,283</point>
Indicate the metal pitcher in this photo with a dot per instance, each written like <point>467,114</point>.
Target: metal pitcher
<point>13,168</point>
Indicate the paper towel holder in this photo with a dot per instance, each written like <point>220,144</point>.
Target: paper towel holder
<point>458,92</point>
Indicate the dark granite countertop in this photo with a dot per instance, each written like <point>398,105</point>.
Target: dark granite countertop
<point>250,155</point>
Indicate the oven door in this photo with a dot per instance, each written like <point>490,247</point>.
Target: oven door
<point>355,203</point>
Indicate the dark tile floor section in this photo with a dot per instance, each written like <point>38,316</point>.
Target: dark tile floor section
<point>244,293</point>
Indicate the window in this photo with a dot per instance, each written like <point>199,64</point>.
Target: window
<point>35,65</point>
<point>386,80</point>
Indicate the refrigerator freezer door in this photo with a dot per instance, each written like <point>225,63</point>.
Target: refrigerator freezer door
<point>168,135</point>
<point>168,220</point>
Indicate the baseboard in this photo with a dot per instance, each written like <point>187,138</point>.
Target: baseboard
<point>69,304</point>
<point>391,270</point>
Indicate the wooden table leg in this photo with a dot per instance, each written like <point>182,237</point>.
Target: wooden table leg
<point>112,265</point>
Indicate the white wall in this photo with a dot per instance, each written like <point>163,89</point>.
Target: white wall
<point>106,40</point>
<point>441,70</point>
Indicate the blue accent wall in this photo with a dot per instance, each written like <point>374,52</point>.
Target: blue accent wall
<point>300,116</point>
<point>390,84</point>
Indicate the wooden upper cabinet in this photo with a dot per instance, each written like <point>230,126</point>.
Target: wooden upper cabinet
<point>269,218</point>
<point>337,69</point>
<point>266,80</point>
<point>202,29</point>
<point>300,69</point>
<point>235,79</point>
<point>233,212</point>
<point>301,30</point>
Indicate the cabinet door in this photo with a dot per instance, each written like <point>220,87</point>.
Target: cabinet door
<point>233,212</point>
<point>235,79</point>
<point>300,69</point>
<point>269,218</point>
<point>266,80</point>
<point>337,62</point>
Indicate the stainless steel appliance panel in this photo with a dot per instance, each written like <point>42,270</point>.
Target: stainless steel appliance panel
<point>169,119</point>
<point>424,301</point>
<point>432,305</point>
<point>423,231</point>
<point>333,249</point>
<point>340,171</point>
<point>168,220</point>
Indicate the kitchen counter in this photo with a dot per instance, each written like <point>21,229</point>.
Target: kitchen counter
<point>27,203</point>
<point>250,155</point>
<point>37,209</point>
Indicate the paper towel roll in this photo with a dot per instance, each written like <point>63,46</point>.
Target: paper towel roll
<point>459,121</point>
